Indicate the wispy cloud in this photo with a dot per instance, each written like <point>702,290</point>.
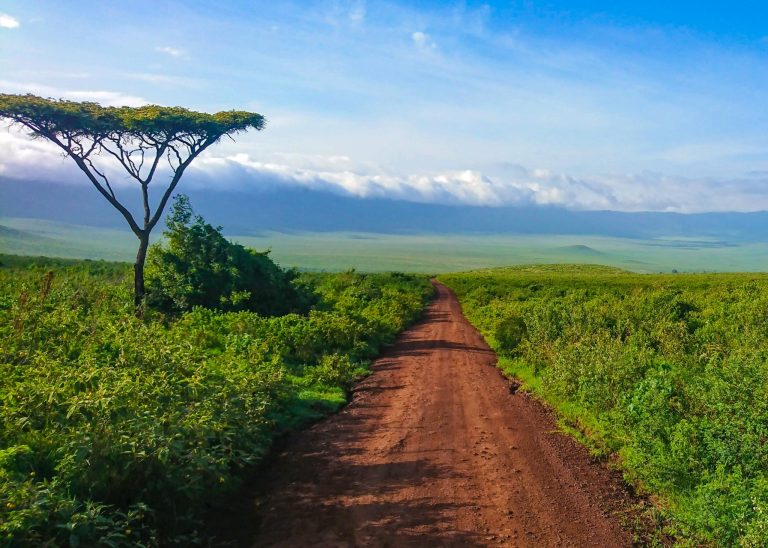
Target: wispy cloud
<point>471,20</point>
<point>8,22</point>
<point>173,52</point>
<point>357,12</point>
<point>106,98</point>
<point>165,79</point>
<point>342,13</point>
<point>423,41</point>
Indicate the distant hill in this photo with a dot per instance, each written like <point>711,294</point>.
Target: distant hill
<point>580,249</point>
<point>296,209</point>
<point>22,237</point>
<point>8,232</point>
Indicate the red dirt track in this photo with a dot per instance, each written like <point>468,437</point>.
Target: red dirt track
<point>434,450</point>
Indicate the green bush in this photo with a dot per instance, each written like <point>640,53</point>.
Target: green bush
<point>198,266</point>
<point>510,333</point>
<point>334,370</point>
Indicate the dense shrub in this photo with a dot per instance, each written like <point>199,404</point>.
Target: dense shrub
<point>668,371</point>
<point>115,430</point>
<point>197,266</point>
<point>510,333</point>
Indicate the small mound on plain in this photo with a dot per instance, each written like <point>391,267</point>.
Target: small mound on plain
<point>581,249</point>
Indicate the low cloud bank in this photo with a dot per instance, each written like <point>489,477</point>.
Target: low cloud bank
<point>502,185</point>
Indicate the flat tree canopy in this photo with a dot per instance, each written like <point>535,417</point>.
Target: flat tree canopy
<point>137,138</point>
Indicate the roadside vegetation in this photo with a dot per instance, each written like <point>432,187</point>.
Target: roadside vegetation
<point>117,430</point>
<point>667,372</point>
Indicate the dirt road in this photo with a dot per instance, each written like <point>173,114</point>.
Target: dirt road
<point>434,450</point>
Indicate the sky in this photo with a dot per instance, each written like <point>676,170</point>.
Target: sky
<point>631,106</point>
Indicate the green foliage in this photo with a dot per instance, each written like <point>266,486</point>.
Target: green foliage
<point>334,370</point>
<point>197,266</point>
<point>668,371</point>
<point>510,333</point>
<point>117,431</point>
<point>60,117</point>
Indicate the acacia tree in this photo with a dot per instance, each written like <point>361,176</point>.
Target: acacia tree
<point>140,140</point>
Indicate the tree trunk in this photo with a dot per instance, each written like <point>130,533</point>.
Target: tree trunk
<point>138,274</point>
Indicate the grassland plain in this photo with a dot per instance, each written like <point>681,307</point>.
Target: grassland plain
<point>667,372</point>
<point>117,431</point>
<point>410,252</point>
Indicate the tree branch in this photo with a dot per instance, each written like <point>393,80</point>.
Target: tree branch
<point>109,195</point>
<point>176,178</point>
<point>100,174</point>
<point>120,156</point>
<point>159,154</point>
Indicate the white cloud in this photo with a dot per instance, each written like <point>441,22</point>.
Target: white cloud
<point>164,79</point>
<point>339,174</point>
<point>168,50</point>
<point>343,13</point>
<point>423,41</point>
<point>106,98</point>
<point>357,12</point>
<point>8,22</point>
<point>24,158</point>
<point>514,185</point>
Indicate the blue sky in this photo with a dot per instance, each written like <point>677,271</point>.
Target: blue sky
<point>590,105</point>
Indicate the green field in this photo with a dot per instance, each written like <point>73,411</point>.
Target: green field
<point>333,251</point>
